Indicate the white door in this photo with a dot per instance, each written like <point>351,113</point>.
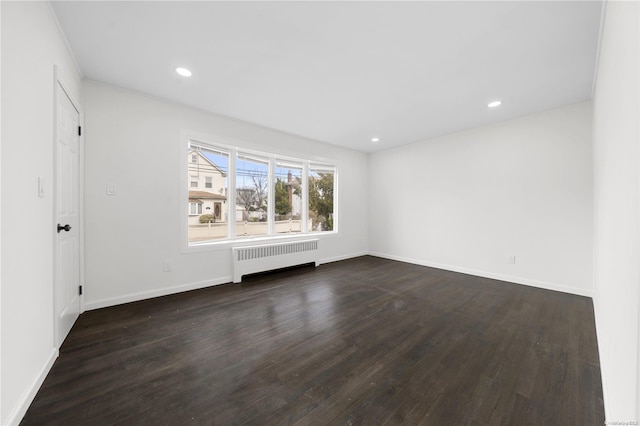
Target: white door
<point>67,206</point>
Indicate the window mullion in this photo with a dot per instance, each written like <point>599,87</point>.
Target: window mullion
<point>271,207</point>
<point>245,186</point>
<point>231,196</point>
<point>305,197</point>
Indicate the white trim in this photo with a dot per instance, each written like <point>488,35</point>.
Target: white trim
<point>197,208</point>
<point>603,15</point>
<point>58,80</point>
<point>20,409</point>
<point>342,257</point>
<point>1,393</point>
<point>229,244</point>
<point>271,198</point>
<point>245,145</point>
<point>143,295</point>
<point>319,168</point>
<point>188,138</point>
<point>231,199</point>
<point>491,275</point>
<point>304,214</point>
<point>81,170</point>
<point>336,202</point>
<point>134,297</point>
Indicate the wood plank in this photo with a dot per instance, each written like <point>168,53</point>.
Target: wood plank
<point>362,341</point>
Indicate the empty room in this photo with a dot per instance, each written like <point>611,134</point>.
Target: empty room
<point>319,212</point>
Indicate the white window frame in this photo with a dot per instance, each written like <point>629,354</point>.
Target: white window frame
<point>192,181</point>
<point>213,143</point>
<point>294,163</point>
<point>198,208</point>
<point>210,183</point>
<point>328,168</point>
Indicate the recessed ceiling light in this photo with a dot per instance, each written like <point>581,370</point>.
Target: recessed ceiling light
<point>375,139</point>
<point>183,72</point>
<point>494,104</point>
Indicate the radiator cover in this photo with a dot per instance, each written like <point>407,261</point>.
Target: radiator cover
<point>266,257</point>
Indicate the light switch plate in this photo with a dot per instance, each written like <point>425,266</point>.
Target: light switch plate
<point>111,189</point>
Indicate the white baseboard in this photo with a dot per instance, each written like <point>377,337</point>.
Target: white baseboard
<point>343,257</point>
<point>20,409</point>
<point>134,297</point>
<point>494,276</point>
<point>18,412</point>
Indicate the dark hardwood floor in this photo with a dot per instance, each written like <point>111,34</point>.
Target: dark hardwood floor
<point>365,341</point>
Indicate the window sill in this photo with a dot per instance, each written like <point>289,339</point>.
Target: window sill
<point>245,241</point>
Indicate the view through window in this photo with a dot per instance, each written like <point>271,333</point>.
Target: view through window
<point>287,197</point>
<point>321,188</point>
<point>208,192</point>
<point>272,195</point>
<point>252,194</point>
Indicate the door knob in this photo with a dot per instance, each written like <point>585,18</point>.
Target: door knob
<point>66,227</point>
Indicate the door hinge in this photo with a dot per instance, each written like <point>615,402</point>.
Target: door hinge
<point>80,290</point>
<point>79,130</point>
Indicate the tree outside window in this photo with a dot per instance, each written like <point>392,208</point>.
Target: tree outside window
<point>266,195</point>
<point>321,198</point>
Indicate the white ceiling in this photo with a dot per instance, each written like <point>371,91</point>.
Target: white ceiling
<point>344,72</point>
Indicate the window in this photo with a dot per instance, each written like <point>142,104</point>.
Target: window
<point>213,166</point>
<point>271,195</point>
<point>194,158</point>
<point>195,209</point>
<point>287,190</point>
<point>321,199</point>
<point>252,189</point>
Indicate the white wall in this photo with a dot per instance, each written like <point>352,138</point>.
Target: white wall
<point>134,142</point>
<point>31,45</point>
<point>466,201</point>
<point>463,202</point>
<point>617,210</point>
<point>1,417</point>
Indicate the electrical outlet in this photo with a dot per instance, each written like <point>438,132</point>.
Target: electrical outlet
<point>511,260</point>
<point>111,189</point>
<point>166,266</point>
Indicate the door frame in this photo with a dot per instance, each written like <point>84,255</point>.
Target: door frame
<point>58,80</point>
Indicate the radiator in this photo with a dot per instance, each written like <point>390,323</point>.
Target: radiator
<point>261,258</point>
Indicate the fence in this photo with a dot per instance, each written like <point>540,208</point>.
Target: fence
<point>212,231</point>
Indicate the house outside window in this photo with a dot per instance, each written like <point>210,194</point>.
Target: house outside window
<point>252,193</point>
<point>287,189</point>
<point>271,195</point>
<point>208,222</point>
